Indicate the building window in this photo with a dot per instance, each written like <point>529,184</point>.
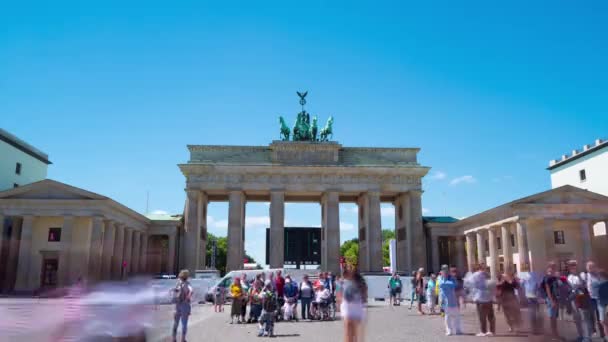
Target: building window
<point>54,235</point>
<point>512,240</point>
<point>582,175</point>
<point>487,245</point>
<point>498,242</point>
<point>558,237</point>
<point>18,168</point>
<point>15,185</point>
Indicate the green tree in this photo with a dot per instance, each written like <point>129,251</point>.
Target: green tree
<point>221,252</point>
<point>350,249</point>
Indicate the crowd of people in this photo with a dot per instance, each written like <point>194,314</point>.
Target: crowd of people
<point>579,293</point>
<point>582,294</point>
<point>270,297</point>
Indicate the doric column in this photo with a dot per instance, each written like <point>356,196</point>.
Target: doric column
<point>203,202</point>
<point>522,246</point>
<point>403,233</point>
<point>127,251</point>
<point>418,244</point>
<point>331,229</point>
<point>64,270</point>
<point>13,255</point>
<point>236,230</point>
<point>470,252</point>
<point>507,251</point>
<point>136,252</point>
<point>586,236</point>
<point>493,246</point>
<point>1,234</point>
<point>108,250</point>
<point>143,260</point>
<point>549,239</point>
<point>117,259</point>
<point>95,250</point>
<point>435,267</point>
<point>481,248</point>
<point>370,233</point>
<point>171,257</point>
<point>461,261</point>
<point>193,234</point>
<point>277,229</point>
<point>25,253</point>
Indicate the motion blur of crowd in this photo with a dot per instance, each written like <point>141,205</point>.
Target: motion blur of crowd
<point>581,293</point>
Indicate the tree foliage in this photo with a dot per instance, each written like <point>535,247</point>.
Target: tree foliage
<point>350,249</point>
<point>221,252</point>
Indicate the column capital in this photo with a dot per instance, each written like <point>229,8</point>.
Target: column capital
<point>98,219</point>
<point>415,192</point>
<point>373,192</point>
<point>192,194</point>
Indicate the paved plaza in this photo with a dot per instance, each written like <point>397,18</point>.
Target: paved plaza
<point>383,324</point>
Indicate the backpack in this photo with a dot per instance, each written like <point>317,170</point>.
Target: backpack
<point>180,293</point>
<point>603,293</point>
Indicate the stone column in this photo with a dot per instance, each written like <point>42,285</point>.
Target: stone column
<point>1,235</point>
<point>171,257</point>
<point>507,251</point>
<point>470,252</point>
<point>13,255</point>
<point>435,267</point>
<point>203,202</point>
<point>549,240</point>
<point>108,250</point>
<point>64,272</point>
<point>418,244</point>
<point>586,240</point>
<point>236,230</point>
<point>136,252</point>
<point>143,261</point>
<point>493,244</point>
<point>117,259</point>
<point>193,234</point>
<point>277,229</point>
<point>95,251</point>
<point>461,262</point>
<point>522,246</point>
<point>25,254</point>
<point>370,233</point>
<point>403,233</point>
<point>331,229</point>
<point>127,251</point>
<point>481,248</point>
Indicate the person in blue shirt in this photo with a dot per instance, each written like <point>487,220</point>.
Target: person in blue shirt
<point>449,300</point>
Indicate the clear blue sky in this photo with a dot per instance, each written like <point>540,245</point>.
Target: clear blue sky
<point>490,93</point>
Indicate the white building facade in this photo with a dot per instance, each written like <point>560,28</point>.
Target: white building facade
<point>20,162</point>
<point>586,168</point>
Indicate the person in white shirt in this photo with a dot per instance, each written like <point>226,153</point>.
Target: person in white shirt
<point>579,303</point>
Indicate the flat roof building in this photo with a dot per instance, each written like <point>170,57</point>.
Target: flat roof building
<point>20,162</point>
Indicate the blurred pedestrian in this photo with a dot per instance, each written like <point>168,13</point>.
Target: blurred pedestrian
<point>450,305</point>
<point>550,291</point>
<point>182,297</point>
<point>593,280</point>
<point>353,305</point>
<point>530,282</point>
<point>483,296</point>
<point>579,303</point>
<point>431,298</point>
<point>508,288</point>
<point>419,285</point>
<point>236,292</point>
<point>306,296</point>
<point>269,306</point>
<point>412,289</point>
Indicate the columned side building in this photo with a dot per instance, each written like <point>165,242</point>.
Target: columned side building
<point>53,234</point>
<point>323,172</point>
<point>526,234</point>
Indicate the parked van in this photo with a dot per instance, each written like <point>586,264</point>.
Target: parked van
<point>227,280</point>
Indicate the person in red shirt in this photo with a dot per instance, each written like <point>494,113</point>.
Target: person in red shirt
<point>279,284</point>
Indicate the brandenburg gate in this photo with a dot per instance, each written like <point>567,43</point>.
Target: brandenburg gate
<point>307,169</point>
